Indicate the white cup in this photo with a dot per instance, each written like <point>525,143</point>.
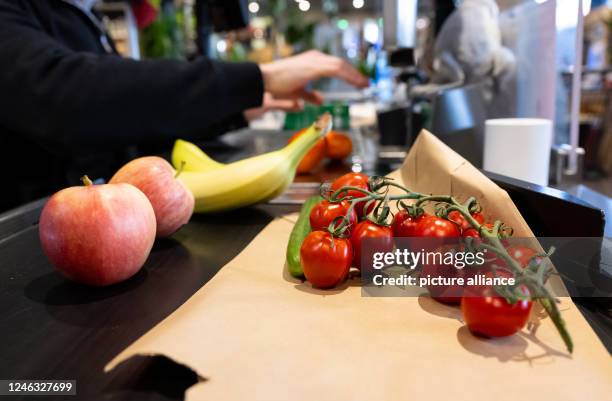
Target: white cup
<point>519,148</point>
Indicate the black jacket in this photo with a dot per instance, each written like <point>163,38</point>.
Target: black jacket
<point>69,107</point>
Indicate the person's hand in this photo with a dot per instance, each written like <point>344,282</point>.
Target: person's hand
<point>272,103</point>
<point>287,78</point>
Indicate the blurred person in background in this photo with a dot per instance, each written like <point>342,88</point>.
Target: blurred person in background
<point>468,50</point>
<point>70,105</point>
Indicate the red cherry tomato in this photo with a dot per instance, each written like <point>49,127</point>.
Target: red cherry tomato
<point>324,212</point>
<point>449,293</point>
<point>399,219</point>
<point>326,260</point>
<point>452,293</point>
<point>521,254</point>
<point>488,226</point>
<point>358,180</point>
<point>479,217</point>
<point>458,219</point>
<point>437,227</point>
<point>488,314</point>
<point>380,240</point>
<point>404,224</point>
<point>470,232</point>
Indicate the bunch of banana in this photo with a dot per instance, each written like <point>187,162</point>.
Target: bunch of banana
<point>218,186</point>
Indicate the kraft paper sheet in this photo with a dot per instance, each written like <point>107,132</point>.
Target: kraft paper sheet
<point>254,333</point>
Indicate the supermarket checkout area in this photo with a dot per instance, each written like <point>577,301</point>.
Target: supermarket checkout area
<point>58,329</point>
<point>92,327</point>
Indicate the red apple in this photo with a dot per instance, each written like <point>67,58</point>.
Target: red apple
<point>172,202</point>
<point>98,234</point>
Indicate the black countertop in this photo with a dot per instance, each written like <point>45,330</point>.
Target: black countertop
<point>54,329</point>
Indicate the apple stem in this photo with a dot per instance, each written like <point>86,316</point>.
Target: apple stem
<point>86,181</point>
<point>180,169</point>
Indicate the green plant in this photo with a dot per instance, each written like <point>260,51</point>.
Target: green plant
<point>164,38</point>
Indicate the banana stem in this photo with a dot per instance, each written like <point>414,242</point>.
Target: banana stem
<point>302,144</point>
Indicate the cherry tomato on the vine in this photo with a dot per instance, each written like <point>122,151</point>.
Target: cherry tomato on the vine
<point>399,218</point>
<point>447,293</point>
<point>358,180</point>
<point>326,260</point>
<point>489,314</point>
<point>470,232</point>
<point>457,218</point>
<point>324,213</point>
<point>380,239</point>
<point>488,226</point>
<point>434,226</point>
<point>404,224</point>
<point>521,254</point>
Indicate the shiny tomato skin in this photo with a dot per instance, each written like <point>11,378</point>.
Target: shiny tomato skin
<point>448,294</point>
<point>436,227</point>
<point>404,224</point>
<point>399,218</point>
<point>326,260</point>
<point>358,180</point>
<point>521,254</point>
<point>470,232</point>
<point>382,240</point>
<point>324,212</point>
<point>486,226</point>
<point>479,217</point>
<point>490,315</point>
<point>458,219</point>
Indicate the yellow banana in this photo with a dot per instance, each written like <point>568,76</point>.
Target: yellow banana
<point>189,157</point>
<point>257,179</point>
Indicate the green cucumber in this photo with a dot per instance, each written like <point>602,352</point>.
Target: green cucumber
<point>300,230</point>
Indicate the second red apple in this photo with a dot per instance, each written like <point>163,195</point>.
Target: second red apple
<point>172,202</point>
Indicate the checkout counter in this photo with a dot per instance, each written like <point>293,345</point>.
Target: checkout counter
<point>68,331</point>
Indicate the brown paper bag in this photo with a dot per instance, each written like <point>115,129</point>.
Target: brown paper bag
<point>253,333</point>
<point>432,167</point>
